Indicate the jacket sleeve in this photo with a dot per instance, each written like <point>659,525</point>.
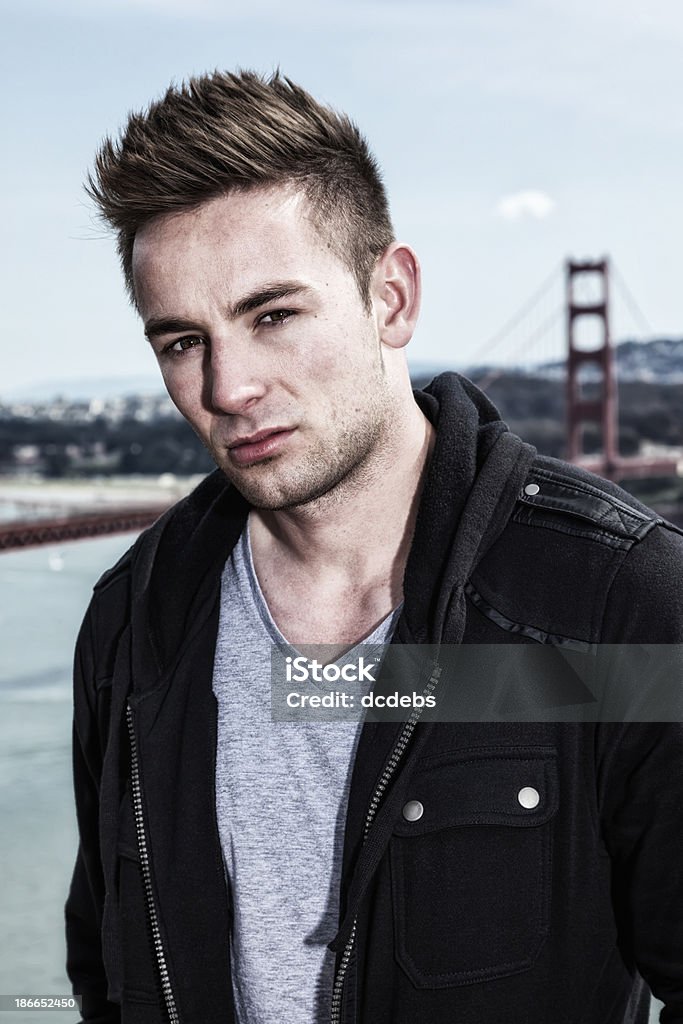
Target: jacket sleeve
<point>85,903</point>
<point>641,774</point>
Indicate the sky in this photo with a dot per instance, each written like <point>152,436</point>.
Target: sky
<point>512,134</point>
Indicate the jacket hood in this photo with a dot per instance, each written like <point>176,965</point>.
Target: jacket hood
<point>476,471</point>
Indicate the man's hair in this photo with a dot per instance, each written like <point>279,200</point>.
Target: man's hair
<point>225,132</point>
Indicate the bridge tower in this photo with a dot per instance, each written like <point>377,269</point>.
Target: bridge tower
<point>591,398</point>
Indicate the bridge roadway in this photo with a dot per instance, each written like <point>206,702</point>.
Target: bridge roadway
<point>77,526</point>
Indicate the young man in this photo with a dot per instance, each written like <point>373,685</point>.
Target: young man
<point>232,867</point>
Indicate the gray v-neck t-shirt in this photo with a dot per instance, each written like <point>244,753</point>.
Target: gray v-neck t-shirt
<point>281,796</point>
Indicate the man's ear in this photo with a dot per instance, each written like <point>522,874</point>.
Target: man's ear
<point>396,292</point>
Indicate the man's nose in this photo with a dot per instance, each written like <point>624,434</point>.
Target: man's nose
<point>234,381</point>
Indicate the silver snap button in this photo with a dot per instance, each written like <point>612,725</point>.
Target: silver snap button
<point>531,489</point>
<point>529,797</point>
<point>413,810</point>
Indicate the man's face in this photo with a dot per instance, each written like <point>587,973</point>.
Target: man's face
<point>264,344</point>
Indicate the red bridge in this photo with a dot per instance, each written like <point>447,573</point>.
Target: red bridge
<point>75,527</point>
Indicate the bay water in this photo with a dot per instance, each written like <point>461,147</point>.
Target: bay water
<point>44,592</point>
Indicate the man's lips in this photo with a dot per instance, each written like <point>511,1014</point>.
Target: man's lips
<point>258,436</point>
<point>261,445</point>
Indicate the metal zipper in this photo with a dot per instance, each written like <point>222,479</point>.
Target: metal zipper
<point>389,769</point>
<point>152,917</point>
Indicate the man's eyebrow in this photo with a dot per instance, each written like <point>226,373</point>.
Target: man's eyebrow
<point>269,293</point>
<point>157,326</point>
<point>168,325</point>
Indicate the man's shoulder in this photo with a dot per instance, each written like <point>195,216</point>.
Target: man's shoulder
<point>175,527</point>
<point>581,558</point>
<point>166,551</point>
<point>569,499</point>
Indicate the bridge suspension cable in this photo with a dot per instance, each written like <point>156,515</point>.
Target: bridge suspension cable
<point>637,315</point>
<point>484,351</point>
<point>529,340</point>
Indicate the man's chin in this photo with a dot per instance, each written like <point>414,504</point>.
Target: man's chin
<point>252,483</point>
<point>271,496</point>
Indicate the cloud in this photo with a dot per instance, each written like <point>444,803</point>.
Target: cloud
<point>529,203</point>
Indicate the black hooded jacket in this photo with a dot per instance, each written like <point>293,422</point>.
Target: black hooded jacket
<point>481,910</point>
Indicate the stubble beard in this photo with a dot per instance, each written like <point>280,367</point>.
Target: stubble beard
<point>326,474</point>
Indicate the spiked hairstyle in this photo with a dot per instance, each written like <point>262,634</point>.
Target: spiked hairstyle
<point>225,132</point>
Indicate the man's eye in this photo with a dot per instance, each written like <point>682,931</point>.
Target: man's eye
<point>275,317</point>
<point>181,345</point>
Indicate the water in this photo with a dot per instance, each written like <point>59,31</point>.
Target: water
<point>43,595</point>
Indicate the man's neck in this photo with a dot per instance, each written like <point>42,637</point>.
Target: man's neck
<point>355,539</point>
<point>360,521</point>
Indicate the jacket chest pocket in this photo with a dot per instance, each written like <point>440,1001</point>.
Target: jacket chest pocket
<point>471,865</point>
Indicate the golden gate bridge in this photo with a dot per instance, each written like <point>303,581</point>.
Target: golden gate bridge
<point>76,526</point>
<point>536,338</point>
